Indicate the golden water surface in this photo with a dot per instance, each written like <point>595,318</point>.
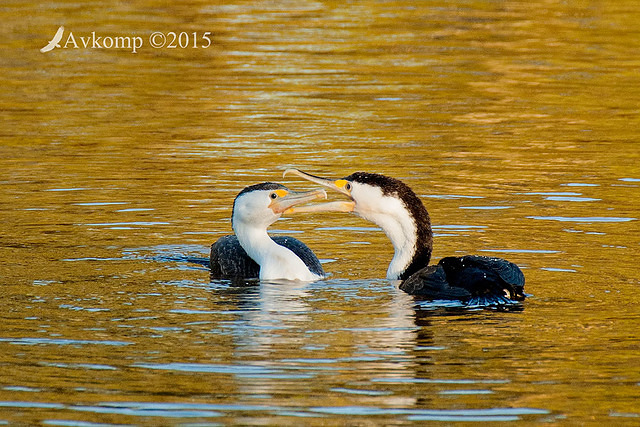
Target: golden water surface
<point>516,122</point>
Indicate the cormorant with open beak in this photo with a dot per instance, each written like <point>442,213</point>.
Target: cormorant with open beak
<point>251,253</point>
<point>392,205</point>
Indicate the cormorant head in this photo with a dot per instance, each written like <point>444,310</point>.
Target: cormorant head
<point>371,196</point>
<point>260,205</point>
<point>387,202</point>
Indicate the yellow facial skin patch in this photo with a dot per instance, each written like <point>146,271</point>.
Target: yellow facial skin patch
<point>281,193</point>
<point>340,183</point>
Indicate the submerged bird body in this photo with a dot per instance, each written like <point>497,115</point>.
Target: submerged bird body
<point>392,205</point>
<point>485,280</point>
<point>229,260</point>
<point>251,253</point>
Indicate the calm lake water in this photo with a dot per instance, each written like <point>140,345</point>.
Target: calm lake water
<point>516,122</point>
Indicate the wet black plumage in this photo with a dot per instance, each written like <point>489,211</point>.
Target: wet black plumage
<point>486,280</point>
<point>229,260</point>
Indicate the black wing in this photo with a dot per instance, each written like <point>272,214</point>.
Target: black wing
<point>482,275</point>
<point>431,282</point>
<point>485,280</point>
<point>302,251</point>
<point>229,260</point>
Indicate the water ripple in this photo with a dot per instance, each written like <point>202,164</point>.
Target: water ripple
<point>586,219</point>
<point>59,341</point>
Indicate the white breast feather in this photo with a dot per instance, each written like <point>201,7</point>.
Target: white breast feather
<point>394,218</point>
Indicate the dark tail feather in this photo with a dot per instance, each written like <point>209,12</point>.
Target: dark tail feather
<point>490,300</point>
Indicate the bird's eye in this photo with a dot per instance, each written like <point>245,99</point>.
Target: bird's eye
<point>273,196</point>
<point>348,186</point>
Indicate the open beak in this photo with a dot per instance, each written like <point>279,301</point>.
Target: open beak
<point>337,185</point>
<point>285,203</point>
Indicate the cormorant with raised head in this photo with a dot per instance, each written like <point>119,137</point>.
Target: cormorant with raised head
<point>251,253</point>
<point>392,205</point>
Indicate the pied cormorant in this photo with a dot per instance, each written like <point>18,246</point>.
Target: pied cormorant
<point>392,205</point>
<point>251,253</point>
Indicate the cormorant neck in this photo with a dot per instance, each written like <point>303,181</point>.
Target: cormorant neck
<point>423,241</point>
<point>409,228</point>
<point>276,262</point>
<point>402,233</point>
<point>412,250</point>
<point>394,206</point>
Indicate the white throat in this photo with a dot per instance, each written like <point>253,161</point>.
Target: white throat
<point>276,262</point>
<point>394,218</point>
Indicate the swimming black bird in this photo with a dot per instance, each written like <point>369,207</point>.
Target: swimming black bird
<point>251,253</point>
<point>392,205</point>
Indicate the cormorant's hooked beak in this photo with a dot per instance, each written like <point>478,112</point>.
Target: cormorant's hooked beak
<point>286,201</point>
<point>337,185</point>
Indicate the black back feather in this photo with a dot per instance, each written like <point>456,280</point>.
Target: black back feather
<point>484,275</point>
<point>484,279</point>
<point>431,282</point>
